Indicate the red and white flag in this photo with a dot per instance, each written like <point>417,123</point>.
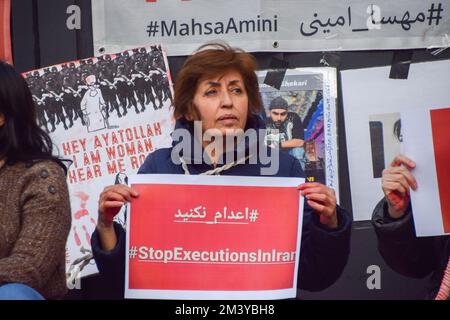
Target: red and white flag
<point>426,140</point>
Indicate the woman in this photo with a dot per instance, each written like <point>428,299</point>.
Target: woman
<point>34,201</point>
<point>401,249</point>
<point>218,86</point>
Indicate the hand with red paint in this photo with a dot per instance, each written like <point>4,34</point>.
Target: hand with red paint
<point>110,201</point>
<point>395,182</point>
<point>323,200</point>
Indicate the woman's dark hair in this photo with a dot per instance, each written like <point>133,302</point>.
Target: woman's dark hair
<point>21,139</point>
<point>398,130</point>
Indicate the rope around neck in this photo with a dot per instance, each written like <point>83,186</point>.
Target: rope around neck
<point>215,171</point>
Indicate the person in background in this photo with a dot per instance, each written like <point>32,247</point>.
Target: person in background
<point>218,86</point>
<point>407,254</point>
<point>285,130</point>
<point>35,212</point>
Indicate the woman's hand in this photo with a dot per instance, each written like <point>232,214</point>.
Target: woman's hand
<point>395,182</point>
<point>323,200</point>
<point>110,201</point>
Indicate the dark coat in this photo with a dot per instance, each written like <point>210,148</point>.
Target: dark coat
<point>411,256</point>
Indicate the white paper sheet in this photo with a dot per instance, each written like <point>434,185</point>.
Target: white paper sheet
<point>418,145</point>
<point>369,92</point>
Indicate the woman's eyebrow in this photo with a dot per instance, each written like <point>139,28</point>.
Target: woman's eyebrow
<point>213,83</point>
<point>234,82</point>
<point>217,84</point>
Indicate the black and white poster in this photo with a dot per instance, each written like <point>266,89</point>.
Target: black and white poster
<point>105,115</point>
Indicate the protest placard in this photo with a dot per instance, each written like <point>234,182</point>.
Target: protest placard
<point>204,237</point>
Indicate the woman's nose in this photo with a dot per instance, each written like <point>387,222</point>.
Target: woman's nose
<point>226,100</point>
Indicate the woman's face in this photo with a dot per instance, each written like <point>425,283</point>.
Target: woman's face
<point>222,102</point>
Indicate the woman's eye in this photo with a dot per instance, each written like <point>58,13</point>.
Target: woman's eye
<point>210,92</point>
<point>237,90</point>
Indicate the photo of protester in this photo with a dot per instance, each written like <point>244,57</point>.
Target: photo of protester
<point>295,119</point>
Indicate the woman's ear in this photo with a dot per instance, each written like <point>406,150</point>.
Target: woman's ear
<point>189,117</point>
<point>2,119</point>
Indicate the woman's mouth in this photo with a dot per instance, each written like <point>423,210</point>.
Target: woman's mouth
<point>228,119</point>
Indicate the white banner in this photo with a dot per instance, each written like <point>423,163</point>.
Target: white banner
<point>106,115</point>
<point>271,25</point>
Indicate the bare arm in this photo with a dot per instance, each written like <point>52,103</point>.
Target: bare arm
<point>293,143</point>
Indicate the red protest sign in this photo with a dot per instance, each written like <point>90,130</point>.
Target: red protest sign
<point>206,237</point>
